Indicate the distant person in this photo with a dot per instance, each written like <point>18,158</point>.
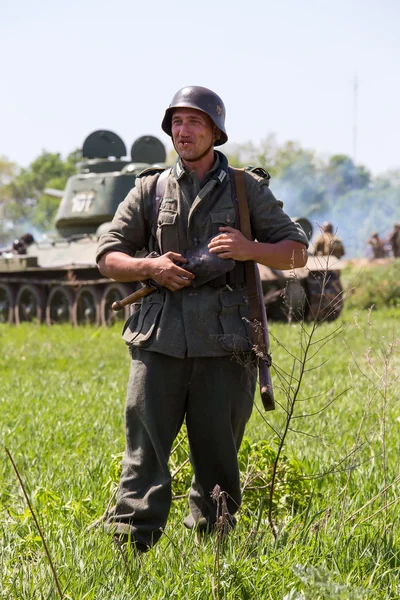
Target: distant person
<point>377,245</point>
<point>395,241</point>
<point>328,244</point>
<point>19,245</point>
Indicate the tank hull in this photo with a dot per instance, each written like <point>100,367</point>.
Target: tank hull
<point>312,293</point>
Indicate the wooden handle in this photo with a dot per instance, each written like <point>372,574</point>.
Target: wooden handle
<point>266,389</point>
<point>134,297</point>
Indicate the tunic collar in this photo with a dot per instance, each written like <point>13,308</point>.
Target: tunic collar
<point>218,171</point>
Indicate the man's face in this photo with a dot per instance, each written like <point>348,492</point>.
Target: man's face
<point>192,132</point>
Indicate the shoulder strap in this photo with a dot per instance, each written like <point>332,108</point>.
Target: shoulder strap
<point>158,196</point>
<point>245,228</point>
<point>258,315</point>
<point>244,215</point>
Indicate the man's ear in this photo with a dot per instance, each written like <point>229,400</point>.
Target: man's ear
<point>216,134</point>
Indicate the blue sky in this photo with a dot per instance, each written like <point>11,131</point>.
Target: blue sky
<point>283,67</point>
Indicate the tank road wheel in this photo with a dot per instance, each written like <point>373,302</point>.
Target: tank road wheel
<point>29,304</point>
<point>112,293</point>
<point>295,300</point>
<point>7,300</point>
<point>86,306</point>
<point>59,305</point>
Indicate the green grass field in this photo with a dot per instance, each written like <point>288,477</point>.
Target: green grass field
<point>333,528</point>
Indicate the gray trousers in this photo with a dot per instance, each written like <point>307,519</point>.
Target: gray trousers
<point>215,395</point>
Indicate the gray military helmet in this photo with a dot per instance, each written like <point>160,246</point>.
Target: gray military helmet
<point>200,98</point>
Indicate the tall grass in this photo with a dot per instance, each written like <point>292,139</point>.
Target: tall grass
<point>335,506</point>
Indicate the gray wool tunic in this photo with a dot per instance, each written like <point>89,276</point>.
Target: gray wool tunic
<point>205,321</point>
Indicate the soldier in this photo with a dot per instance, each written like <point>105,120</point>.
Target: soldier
<point>183,339</point>
<point>19,245</point>
<point>327,243</point>
<point>395,241</point>
<point>377,245</point>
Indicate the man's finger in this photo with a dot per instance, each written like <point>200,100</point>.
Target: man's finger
<point>225,254</point>
<point>218,240</point>
<point>174,256</point>
<point>227,229</point>
<point>220,248</point>
<point>182,273</point>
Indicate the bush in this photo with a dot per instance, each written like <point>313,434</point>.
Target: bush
<point>373,285</point>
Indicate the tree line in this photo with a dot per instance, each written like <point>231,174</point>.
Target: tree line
<point>334,189</point>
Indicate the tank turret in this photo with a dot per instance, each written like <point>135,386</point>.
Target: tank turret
<point>92,196</point>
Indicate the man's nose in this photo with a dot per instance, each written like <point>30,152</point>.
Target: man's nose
<point>184,129</point>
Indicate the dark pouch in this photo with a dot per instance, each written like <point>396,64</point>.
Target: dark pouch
<point>141,325</point>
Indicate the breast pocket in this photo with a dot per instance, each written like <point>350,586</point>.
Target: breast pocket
<point>222,218</point>
<point>167,230</point>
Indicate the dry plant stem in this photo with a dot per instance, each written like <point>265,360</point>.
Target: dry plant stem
<point>385,356</point>
<point>171,541</point>
<point>383,426</point>
<point>383,508</point>
<point>384,491</point>
<point>123,553</point>
<point>106,513</point>
<point>291,401</point>
<point>175,473</point>
<point>292,386</point>
<point>222,524</point>
<point>356,445</point>
<point>36,523</point>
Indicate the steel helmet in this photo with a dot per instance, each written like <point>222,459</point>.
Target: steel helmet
<point>200,98</point>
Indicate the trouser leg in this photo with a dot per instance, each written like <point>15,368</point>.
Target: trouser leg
<point>219,405</point>
<point>155,408</point>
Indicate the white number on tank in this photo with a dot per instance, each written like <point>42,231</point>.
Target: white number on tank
<point>82,201</point>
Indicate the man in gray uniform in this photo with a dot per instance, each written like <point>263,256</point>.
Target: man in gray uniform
<point>190,346</point>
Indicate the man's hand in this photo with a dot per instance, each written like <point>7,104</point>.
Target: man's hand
<point>231,243</point>
<point>167,273</point>
<point>286,254</point>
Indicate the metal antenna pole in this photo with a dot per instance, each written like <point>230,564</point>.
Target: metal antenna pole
<point>355,100</point>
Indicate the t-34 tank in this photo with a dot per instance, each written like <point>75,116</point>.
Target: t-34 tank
<point>312,293</point>
<point>57,280</point>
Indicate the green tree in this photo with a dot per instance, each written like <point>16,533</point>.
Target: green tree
<point>8,170</point>
<point>343,176</point>
<point>26,198</point>
<point>299,179</point>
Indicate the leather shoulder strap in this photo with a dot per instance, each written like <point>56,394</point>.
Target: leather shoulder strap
<point>159,195</point>
<point>244,215</point>
<point>245,228</point>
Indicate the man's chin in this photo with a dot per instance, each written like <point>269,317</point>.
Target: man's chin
<point>188,155</point>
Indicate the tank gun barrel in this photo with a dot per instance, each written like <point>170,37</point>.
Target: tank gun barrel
<point>54,193</point>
